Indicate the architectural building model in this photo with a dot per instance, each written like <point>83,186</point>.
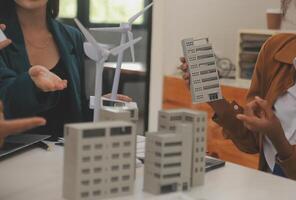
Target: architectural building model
<point>99,160</point>
<point>175,155</point>
<point>2,36</point>
<point>168,160</point>
<point>167,122</point>
<point>111,107</point>
<point>204,78</point>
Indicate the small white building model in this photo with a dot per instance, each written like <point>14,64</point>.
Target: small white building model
<point>168,161</point>
<point>175,156</point>
<point>167,122</point>
<point>99,160</point>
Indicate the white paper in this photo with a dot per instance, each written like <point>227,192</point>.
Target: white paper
<point>2,36</point>
<point>204,79</point>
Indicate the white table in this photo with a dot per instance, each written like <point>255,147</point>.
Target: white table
<point>37,175</point>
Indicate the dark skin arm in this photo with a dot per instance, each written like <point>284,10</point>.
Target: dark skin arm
<point>259,117</point>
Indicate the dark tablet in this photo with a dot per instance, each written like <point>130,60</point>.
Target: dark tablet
<point>16,143</point>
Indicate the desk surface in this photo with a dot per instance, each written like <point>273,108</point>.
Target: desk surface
<point>37,175</point>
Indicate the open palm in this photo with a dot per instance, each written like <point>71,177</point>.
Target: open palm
<point>45,80</point>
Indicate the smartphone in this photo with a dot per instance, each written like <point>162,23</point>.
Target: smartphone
<point>2,36</point>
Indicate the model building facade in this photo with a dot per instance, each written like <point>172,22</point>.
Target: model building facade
<point>167,122</point>
<point>204,78</point>
<point>168,160</point>
<point>99,160</point>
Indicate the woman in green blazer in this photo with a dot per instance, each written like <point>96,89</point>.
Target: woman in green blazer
<point>42,71</point>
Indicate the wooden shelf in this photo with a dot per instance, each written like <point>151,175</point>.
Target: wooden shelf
<point>252,35</point>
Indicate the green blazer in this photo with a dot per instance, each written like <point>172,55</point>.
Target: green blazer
<point>20,96</point>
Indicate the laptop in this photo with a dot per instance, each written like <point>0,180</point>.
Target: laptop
<point>17,143</point>
<point>213,163</point>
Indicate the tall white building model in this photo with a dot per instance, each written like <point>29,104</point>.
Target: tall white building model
<point>176,152</point>
<point>99,160</point>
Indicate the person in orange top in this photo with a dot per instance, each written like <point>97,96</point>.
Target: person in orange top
<point>267,124</point>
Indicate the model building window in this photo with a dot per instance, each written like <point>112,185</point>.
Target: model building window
<point>94,133</point>
<point>189,119</point>
<point>127,155</point>
<point>85,171</point>
<point>127,166</point>
<point>98,146</point>
<point>125,189</point>
<point>84,194</point>
<point>97,170</point>
<point>115,168</point>
<point>114,179</point>
<point>127,143</point>
<point>175,154</point>
<point>86,147</point>
<point>172,128</point>
<point>97,181</point>
<point>171,144</point>
<point>85,183</point>
<point>114,11</point>
<point>98,158</point>
<point>115,144</point>
<point>125,178</point>
<point>97,193</point>
<point>121,131</point>
<point>171,175</point>
<point>86,159</point>
<point>115,156</point>
<point>176,118</point>
<point>114,190</point>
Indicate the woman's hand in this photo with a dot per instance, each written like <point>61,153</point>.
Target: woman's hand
<point>45,80</point>
<point>259,117</point>
<point>9,127</point>
<point>4,43</point>
<point>184,67</point>
<point>120,97</point>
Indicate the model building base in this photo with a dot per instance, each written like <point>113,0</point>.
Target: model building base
<point>117,106</point>
<point>204,78</point>
<point>99,160</point>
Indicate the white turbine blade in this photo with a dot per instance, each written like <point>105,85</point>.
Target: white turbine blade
<point>136,16</point>
<point>90,51</point>
<point>123,47</point>
<point>131,38</point>
<point>111,29</point>
<point>85,32</point>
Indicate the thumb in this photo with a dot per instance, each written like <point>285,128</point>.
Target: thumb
<point>9,127</point>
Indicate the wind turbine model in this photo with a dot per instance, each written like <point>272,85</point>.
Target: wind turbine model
<point>126,32</point>
<point>99,54</point>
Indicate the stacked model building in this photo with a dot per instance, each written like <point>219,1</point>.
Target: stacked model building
<point>175,155</point>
